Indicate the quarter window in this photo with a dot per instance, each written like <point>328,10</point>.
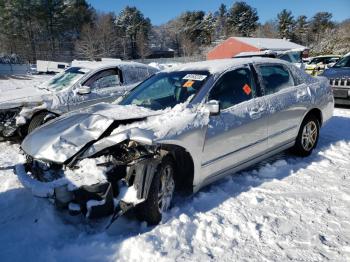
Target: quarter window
<point>233,88</point>
<point>275,78</point>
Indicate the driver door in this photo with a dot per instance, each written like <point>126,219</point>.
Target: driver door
<point>239,132</point>
<point>105,86</point>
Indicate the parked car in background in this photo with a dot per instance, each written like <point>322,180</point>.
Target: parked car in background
<point>292,56</point>
<point>23,110</point>
<point>319,63</point>
<point>181,129</point>
<point>339,78</point>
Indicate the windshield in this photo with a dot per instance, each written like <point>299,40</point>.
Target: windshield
<point>166,89</point>
<point>324,60</point>
<point>344,62</point>
<point>67,78</point>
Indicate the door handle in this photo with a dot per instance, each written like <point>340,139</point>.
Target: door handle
<point>256,113</point>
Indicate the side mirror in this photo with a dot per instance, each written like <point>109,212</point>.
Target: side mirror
<point>214,107</point>
<point>84,90</point>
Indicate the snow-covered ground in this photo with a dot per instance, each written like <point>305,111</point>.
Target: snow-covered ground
<point>286,208</point>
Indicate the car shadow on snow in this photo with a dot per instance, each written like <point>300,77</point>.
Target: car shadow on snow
<point>20,204</point>
<point>16,77</point>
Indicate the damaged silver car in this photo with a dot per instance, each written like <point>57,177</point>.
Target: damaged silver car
<point>80,86</point>
<point>181,129</point>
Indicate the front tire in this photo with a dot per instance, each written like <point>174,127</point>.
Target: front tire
<point>160,193</point>
<point>38,120</point>
<point>307,137</point>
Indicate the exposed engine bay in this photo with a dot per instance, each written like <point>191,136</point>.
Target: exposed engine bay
<point>112,181</point>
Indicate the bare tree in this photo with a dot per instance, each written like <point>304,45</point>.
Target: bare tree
<point>88,46</point>
<point>98,40</point>
<point>188,46</point>
<point>142,45</point>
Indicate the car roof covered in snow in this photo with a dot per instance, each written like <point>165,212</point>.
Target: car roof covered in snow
<point>274,44</point>
<point>221,65</point>
<point>108,63</point>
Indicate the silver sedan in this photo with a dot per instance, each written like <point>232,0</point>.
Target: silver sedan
<point>181,129</point>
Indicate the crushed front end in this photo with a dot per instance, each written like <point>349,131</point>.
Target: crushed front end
<point>8,126</point>
<point>114,180</point>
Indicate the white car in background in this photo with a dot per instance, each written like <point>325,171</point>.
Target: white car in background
<point>80,86</point>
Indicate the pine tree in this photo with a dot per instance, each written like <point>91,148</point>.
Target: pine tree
<point>320,22</point>
<point>130,23</point>
<point>221,22</point>
<point>285,24</point>
<point>208,28</point>
<point>242,19</point>
<point>301,30</point>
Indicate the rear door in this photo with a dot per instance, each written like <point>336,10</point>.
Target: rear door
<point>239,132</point>
<point>286,101</point>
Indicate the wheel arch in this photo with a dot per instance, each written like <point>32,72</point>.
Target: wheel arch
<point>317,113</point>
<point>184,175</point>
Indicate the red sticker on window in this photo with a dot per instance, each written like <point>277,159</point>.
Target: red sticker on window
<point>247,89</point>
<point>189,83</point>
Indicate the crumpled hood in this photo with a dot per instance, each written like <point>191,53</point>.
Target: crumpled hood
<point>11,98</point>
<point>62,138</point>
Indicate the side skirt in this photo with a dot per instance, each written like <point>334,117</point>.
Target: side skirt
<point>244,164</point>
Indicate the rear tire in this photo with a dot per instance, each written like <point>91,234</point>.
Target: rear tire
<point>160,193</point>
<point>38,120</point>
<point>307,137</point>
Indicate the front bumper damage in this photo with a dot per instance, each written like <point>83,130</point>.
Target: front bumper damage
<point>122,186</point>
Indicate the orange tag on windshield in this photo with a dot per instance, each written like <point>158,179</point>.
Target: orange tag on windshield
<point>189,83</point>
<point>247,90</point>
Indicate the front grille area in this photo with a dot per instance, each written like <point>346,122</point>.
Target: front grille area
<point>340,93</point>
<point>8,115</point>
<point>340,82</point>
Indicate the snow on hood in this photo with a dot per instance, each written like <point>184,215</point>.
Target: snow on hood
<point>11,98</point>
<point>337,72</point>
<point>61,139</point>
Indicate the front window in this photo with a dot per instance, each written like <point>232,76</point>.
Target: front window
<point>104,79</point>
<point>233,88</point>
<point>167,89</point>
<point>344,62</point>
<point>66,78</point>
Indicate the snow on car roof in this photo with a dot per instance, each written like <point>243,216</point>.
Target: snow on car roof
<point>220,65</point>
<point>98,64</point>
<point>270,43</point>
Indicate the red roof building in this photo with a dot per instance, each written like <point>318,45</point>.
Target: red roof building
<point>235,45</point>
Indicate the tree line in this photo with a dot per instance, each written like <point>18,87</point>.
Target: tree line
<point>66,29</point>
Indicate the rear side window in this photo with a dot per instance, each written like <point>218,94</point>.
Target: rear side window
<point>275,78</point>
<point>286,58</point>
<point>233,87</point>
